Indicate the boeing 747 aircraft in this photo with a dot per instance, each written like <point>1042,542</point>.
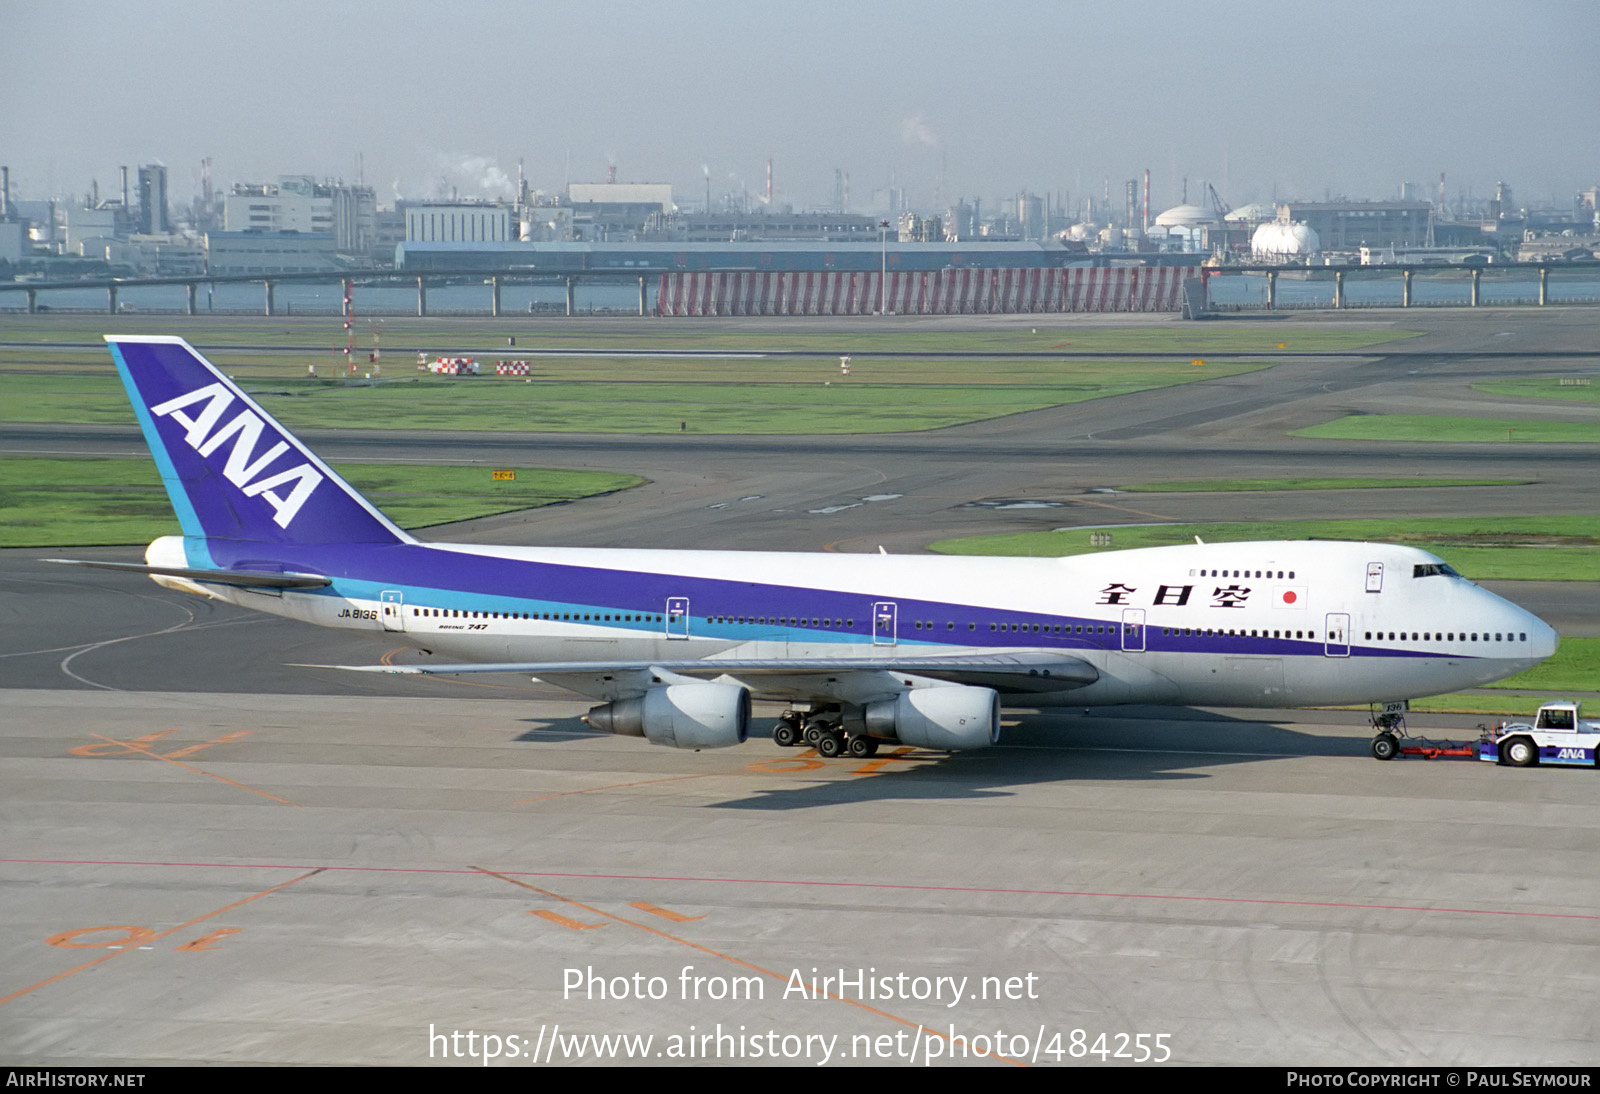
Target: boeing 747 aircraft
<point>864,649</point>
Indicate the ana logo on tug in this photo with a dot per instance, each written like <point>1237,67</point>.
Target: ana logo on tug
<point>242,469</point>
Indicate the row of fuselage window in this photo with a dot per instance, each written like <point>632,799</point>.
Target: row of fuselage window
<point>842,624</point>
<point>777,621</point>
<point>1333,636</point>
<point>568,617</point>
<point>928,625</point>
<point>1448,636</point>
<point>1238,573</point>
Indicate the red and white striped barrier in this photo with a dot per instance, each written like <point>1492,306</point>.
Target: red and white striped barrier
<point>934,292</point>
<point>511,368</point>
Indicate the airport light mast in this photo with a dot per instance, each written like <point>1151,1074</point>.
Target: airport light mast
<point>883,277</point>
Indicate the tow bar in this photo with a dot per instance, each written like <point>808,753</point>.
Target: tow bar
<point>1390,740</point>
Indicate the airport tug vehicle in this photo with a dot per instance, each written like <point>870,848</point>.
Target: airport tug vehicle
<point>1558,735</point>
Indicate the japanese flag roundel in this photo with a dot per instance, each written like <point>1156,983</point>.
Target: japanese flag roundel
<point>1289,596</point>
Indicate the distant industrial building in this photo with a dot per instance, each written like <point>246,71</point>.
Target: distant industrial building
<point>775,256</point>
<point>14,242</point>
<point>918,229</point>
<point>298,203</point>
<point>617,211</point>
<point>1350,225</point>
<point>167,254</point>
<point>734,227</point>
<point>1031,213</point>
<point>962,221</point>
<point>459,222</point>
<point>87,226</point>
<point>256,252</point>
<point>1588,206</point>
<point>153,219</point>
<point>653,196</point>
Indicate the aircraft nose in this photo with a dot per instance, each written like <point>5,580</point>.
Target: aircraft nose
<point>1542,638</point>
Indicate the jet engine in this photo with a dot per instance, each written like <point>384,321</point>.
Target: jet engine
<point>680,715</point>
<point>949,718</point>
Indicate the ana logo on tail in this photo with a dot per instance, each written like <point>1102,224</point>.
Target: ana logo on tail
<point>243,468</point>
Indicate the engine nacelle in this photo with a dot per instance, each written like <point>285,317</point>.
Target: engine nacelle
<point>949,718</point>
<point>680,715</point>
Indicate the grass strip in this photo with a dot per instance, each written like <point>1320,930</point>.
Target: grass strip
<point>739,401</point>
<point>97,502</point>
<point>1585,392</point>
<point>1444,430</point>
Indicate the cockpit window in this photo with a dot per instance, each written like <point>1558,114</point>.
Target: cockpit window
<point>1433,569</point>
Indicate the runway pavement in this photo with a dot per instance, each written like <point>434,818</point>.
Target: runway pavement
<point>211,856</point>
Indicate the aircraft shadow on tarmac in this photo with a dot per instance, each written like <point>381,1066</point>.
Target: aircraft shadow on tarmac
<point>1140,744</point>
<point>556,730</point>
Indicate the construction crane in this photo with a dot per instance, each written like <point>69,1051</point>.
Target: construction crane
<point>1218,206</point>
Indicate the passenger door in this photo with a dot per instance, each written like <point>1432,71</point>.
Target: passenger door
<point>392,609</point>
<point>1132,630</point>
<point>677,617</point>
<point>885,623</point>
<point>1337,642</point>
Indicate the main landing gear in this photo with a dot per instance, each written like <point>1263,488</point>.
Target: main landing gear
<point>822,730</point>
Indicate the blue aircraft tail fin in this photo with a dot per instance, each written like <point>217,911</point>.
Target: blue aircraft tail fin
<point>232,472</point>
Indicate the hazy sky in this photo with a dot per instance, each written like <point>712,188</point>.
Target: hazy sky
<point>1289,99</point>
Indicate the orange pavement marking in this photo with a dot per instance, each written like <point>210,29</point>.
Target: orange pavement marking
<point>806,761</point>
<point>561,920</point>
<point>117,748</point>
<point>720,955</point>
<point>207,941</point>
<point>68,940</point>
<point>203,745</point>
<point>676,917</point>
<point>146,750</point>
<point>140,744</point>
<point>159,935</point>
<point>873,766</point>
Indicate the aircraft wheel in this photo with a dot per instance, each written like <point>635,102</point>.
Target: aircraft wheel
<point>1385,746</point>
<point>786,735</point>
<point>829,745</point>
<point>1521,752</point>
<point>814,733</point>
<point>863,747</point>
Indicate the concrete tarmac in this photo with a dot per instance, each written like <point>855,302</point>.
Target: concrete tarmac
<point>211,856</point>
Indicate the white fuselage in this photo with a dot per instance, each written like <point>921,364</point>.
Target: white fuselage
<point>1250,624</point>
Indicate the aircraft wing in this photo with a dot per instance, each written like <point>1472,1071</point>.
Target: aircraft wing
<point>1020,671</point>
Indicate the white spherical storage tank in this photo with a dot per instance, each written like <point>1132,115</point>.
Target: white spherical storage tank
<point>1285,240</point>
